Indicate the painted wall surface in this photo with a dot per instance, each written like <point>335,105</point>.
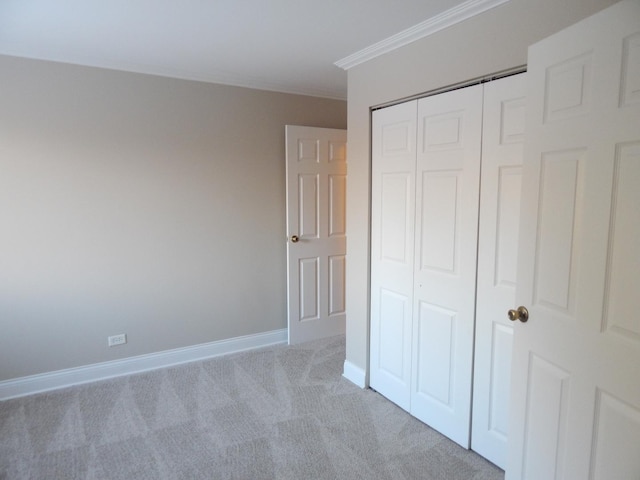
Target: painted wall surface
<point>494,41</point>
<point>142,205</point>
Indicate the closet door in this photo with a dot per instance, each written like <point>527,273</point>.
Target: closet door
<point>392,238</point>
<point>446,232</point>
<point>502,141</point>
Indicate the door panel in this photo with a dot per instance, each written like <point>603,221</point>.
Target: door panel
<point>621,309</point>
<point>393,325</point>
<point>316,187</point>
<point>546,421</point>
<point>559,235</point>
<point>308,191</point>
<point>630,71</point>
<point>337,204</point>
<point>392,257</point>
<point>502,138</point>
<point>395,218</point>
<point>436,366</point>
<point>498,387</point>
<point>337,277</point>
<point>448,166</point>
<point>439,221</point>
<point>616,438</point>
<point>309,273</point>
<point>575,379</point>
<point>505,247</point>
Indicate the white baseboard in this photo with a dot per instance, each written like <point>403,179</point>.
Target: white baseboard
<point>354,374</point>
<point>100,371</point>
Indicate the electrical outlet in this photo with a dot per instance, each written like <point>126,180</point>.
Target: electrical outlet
<point>114,340</point>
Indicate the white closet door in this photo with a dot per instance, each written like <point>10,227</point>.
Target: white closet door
<point>392,238</point>
<point>501,180</point>
<point>446,228</point>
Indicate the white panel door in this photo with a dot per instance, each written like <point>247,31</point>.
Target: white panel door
<point>316,175</point>
<point>575,402</point>
<point>501,181</point>
<point>446,231</point>
<point>392,238</point>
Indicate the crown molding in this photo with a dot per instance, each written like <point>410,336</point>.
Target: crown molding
<point>430,26</point>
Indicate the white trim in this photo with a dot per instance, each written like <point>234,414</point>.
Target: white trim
<point>430,26</point>
<point>354,374</point>
<point>100,371</point>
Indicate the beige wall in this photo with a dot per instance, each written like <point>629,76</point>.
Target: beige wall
<point>142,205</point>
<point>494,41</point>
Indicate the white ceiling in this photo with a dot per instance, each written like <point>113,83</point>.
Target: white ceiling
<point>281,45</point>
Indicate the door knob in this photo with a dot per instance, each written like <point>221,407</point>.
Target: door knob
<point>521,314</point>
<point>294,238</point>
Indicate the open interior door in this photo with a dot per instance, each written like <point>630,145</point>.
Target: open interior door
<point>316,231</point>
<point>575,399</point>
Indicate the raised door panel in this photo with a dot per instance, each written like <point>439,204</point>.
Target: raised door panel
<point>439,221</point>
<point>568,88</point>
<point>337,278</point>
<point>309,202</point>
<point>630,91</point>
<point>392,250</point>
<point>546,422</point>
<point>501,185</point>
<point>621,309</point>
<point>448,169</point>
<point>507,214</point>
<point>498,386</point>
<point>393,326</point>
<point>559,210</point>
<point>309,273</point>
<point>396,216</point>
<point>616,439</point>
<point>436,367</point>
<point>337,205</point>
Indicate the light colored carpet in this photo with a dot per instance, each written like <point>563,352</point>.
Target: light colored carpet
<point>277,413</point>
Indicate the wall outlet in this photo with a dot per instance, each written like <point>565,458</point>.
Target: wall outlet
<point>114,340</point>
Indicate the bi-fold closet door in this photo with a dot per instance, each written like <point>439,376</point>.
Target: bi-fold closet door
<point>426,168</point>
<point>425,197</point>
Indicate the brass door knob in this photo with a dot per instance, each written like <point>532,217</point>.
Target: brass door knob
<point>521,313</point>
<point>294,239</point>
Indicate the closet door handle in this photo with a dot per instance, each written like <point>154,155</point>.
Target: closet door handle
<point>295,239</point>
<point>521,313</point>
